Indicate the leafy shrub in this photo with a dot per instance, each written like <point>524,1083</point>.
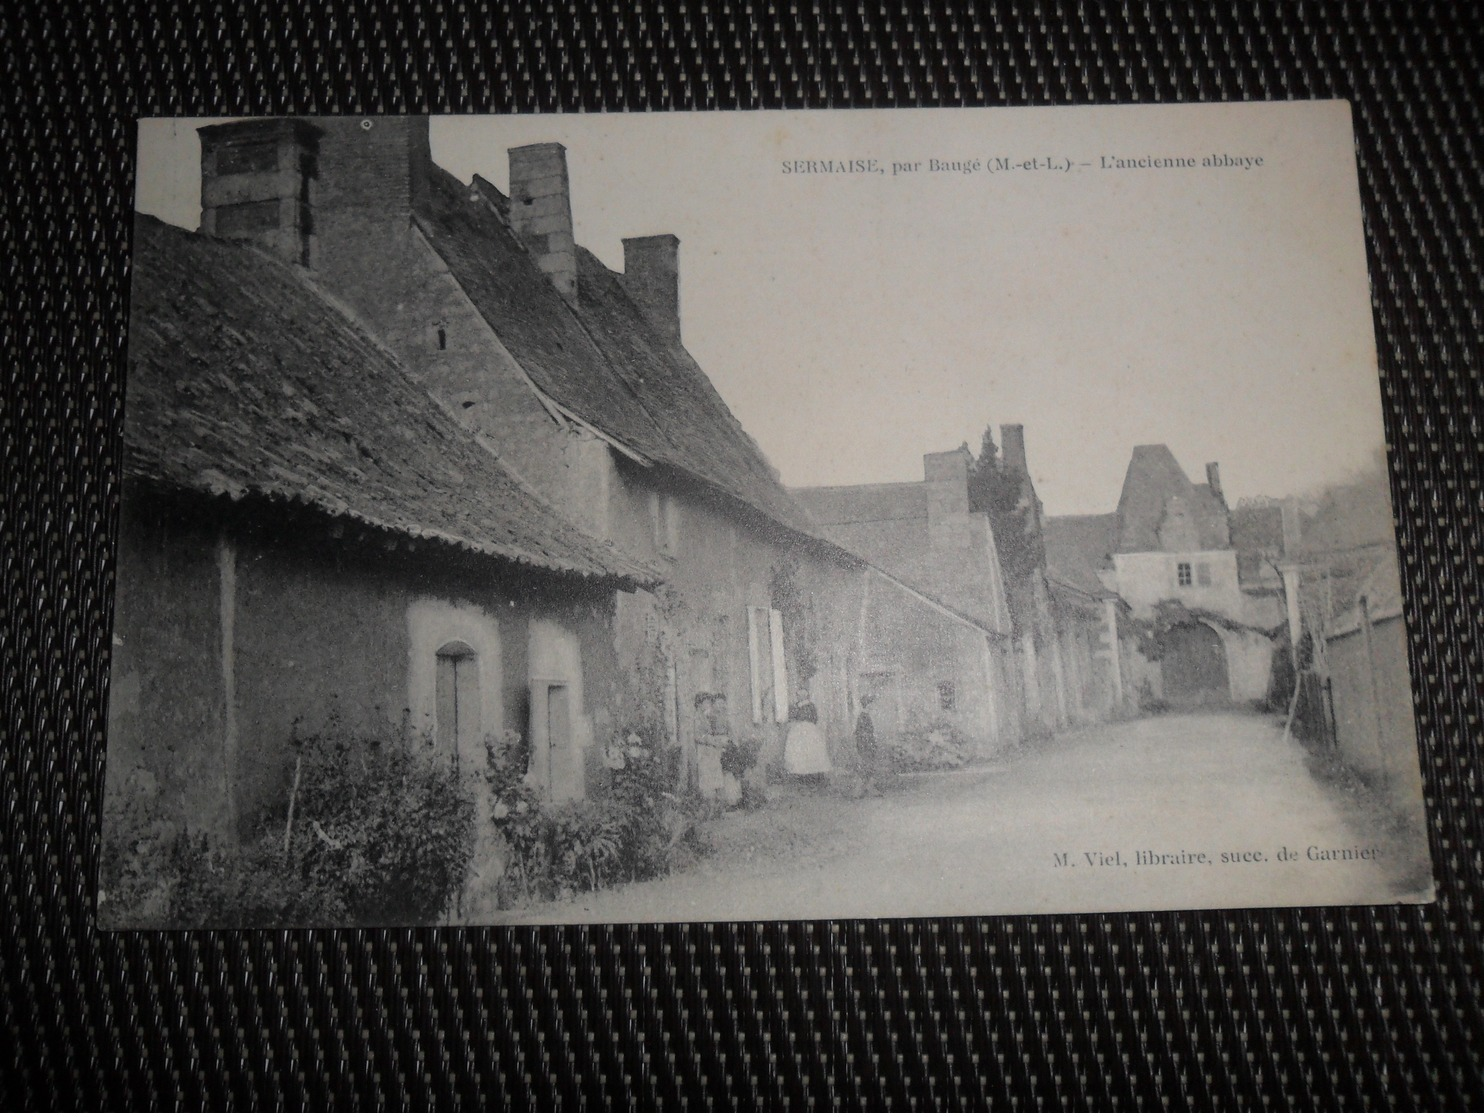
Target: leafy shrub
<point>369,833</point>
<point>929,745</point>
<point>740,755</point>
<point>639,830</point>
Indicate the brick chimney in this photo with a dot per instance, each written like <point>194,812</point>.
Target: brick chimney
<point>651,276</point>
<point>1012,447</point>
<point>1213,478</point>
<point>258,184</point>
<point>541,211</point>
<point>335,193</point>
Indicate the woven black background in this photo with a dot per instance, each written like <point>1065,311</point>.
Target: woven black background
<point>1295,1008</point>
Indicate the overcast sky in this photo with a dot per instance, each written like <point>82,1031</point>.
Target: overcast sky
<point>855,322</point>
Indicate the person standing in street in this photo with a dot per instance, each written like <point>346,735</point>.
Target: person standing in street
<point>865,747</point>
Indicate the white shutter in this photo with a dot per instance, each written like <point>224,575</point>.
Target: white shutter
<point>780,668</point>
<point>754,662</point>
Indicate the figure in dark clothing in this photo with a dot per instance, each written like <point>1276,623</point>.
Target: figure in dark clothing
<point>803,710</point>
<point>865,747</point>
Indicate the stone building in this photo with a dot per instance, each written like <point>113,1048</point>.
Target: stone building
<point>1208,611</point>
<point>923,534</point>
<point>1066,632</point>
<point>310,544</point>
<point>576,379</point>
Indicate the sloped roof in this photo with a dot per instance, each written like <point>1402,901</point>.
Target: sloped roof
<point>599,358</point>
<point>1077,547</point>
<point>848,505</point>
<point>887,525</point>
<point>1382,590</point>
<point>1154,477</point>
<point>245,381</point>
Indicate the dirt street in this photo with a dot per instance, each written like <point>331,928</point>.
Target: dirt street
<point>1171,812</point>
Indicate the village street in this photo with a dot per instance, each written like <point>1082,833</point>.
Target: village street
<point>1067,825</point>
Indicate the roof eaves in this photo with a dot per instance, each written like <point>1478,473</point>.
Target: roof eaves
<point>214,484</point>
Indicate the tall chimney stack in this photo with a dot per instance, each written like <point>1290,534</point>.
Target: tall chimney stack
<point>1012,447</point>
<point>651,276</point>
<point>1292,529</point>
<point>257,184</point>
<point>1213,478</point>
<point>947,477</point>
<point>541,211</point>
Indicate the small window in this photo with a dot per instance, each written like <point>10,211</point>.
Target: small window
<point>442,338</point>
<point>1182,573</point>
<point>947,699</point>
<point>1203,573</point>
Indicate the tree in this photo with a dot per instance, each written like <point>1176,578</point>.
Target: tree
<point>1005,495</point>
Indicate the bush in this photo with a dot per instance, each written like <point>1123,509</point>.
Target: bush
<point>740,755</point>
<point>639,830</point>
<point>370,833</point>
<point>929,745</point>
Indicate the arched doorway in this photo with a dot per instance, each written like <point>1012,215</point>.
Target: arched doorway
<point>1194,666</point>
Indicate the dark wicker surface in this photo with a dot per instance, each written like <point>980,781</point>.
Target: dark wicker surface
<point>1295,1008</point>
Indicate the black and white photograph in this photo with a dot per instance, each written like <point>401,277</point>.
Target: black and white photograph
<point>691,517</point>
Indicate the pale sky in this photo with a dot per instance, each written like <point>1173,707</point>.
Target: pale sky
<point>855,322</point>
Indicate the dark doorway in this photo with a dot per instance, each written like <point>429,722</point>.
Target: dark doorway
<point>1194,663</point>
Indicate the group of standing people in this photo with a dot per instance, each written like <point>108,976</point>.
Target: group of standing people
<point>806,754</point>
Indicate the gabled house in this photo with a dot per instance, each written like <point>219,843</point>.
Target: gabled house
<point>923,534</point>
<point>311,544</point>
<point>1205,598</point>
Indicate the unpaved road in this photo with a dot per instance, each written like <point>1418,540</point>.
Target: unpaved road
<point>1061,828</point>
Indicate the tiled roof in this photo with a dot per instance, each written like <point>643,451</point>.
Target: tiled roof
<point>859,505</point>
<point>1382,590</point>
<point>1077,547</point>
<point>599,357</point>
<point>1154,477</point>
<point>246,382</point>
<point>887,525</point>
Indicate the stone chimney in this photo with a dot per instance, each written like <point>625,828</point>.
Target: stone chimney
<point>947,482</point>
<point>651,276</point>
<point>541,211</point>
<point>1213,478</point>
<point>1292,530</point>
<point>1012,447</point>
<point>258,182</point>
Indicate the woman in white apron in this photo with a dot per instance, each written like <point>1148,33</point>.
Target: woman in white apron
<point>804,751</point>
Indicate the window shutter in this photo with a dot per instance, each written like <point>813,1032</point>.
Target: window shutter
<point>754,663</point>
<point>780,668</point>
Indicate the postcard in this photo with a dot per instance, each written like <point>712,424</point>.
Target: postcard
<point>739,516</point>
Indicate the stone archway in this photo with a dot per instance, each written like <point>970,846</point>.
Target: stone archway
<point>1194,666</point>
